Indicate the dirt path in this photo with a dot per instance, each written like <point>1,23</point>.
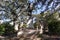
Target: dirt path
<point>28,34</point>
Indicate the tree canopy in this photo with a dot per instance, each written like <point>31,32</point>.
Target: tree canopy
<point>21,11</point>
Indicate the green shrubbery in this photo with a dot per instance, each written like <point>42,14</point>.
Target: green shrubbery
<point>6,28</point>
<point>2,29</point>
<point>54,27</point>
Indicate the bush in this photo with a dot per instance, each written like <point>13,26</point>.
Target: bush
<point>2,29</point>
<point>54,27</point>
<point>24,26</point>
<point>36,24</point>
<point>6,29</point>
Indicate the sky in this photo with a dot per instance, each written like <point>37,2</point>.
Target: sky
<point>39,5</point>
<point>44,7</point>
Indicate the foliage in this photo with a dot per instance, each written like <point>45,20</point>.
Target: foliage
<point>24,25</point>
<point>9,28</point>
<point>35,25</point>
<point>2,29</point>
<point>6,28</point>
<point>54,27</point>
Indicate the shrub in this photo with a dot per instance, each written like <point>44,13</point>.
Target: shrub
<point>6,29</point>
<point>24,26</point>
<point>36,24</point>
<point>54,27</point>
<point>2,29</point>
